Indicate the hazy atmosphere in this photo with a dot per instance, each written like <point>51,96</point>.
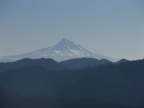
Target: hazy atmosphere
<point>71,53</point>
<point>114,28</point>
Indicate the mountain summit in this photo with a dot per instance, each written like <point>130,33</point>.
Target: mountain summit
<point>64,50</point>
<point>65,43</point>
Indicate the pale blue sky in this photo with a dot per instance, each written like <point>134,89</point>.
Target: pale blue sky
<point>112,27</point>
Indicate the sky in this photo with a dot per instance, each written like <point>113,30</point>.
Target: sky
<point>114,28</point>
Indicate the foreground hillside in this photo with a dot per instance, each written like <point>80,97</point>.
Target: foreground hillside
<point>103,86</point>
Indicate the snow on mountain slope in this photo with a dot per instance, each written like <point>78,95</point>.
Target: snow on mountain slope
<point>64,50</point>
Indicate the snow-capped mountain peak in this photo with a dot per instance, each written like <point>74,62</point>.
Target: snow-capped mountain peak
<point>65,43</point>
<point>64,50</point>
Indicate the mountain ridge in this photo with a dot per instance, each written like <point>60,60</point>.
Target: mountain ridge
<point>51,64</point>
<point>120,84</point>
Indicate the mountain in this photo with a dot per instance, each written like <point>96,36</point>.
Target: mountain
<point>122,60</point>
<point>80,63</point>
<point>64,50</point>
<point>51,64</point>
<point>109,86</point>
